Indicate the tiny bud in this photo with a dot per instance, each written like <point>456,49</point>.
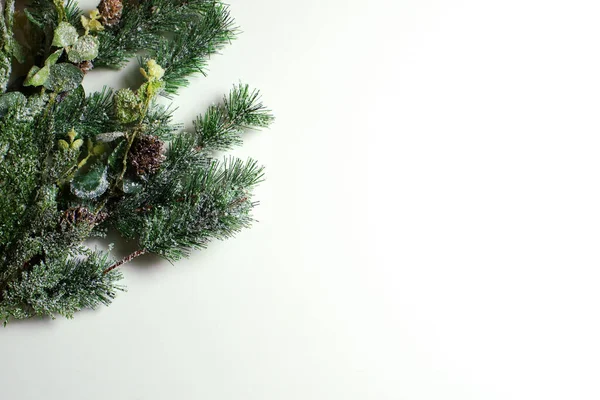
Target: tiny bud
<point>63,145</point>
<point>72,135</point>
<point>76,145</point>
<point>154,71</point>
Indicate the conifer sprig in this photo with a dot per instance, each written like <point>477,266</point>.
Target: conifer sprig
<point>221,126</point>
<point>61,286</point>
<point>147,26</point>
<point>187,51</point>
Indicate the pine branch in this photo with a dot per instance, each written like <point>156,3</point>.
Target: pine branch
<point>187,51</point>
<point>159,122</point>
<point>61,286</point>
<point>185,212</point>
<point>221,126</point>
<point>143,24</point>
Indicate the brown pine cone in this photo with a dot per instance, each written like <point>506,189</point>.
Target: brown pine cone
<point>86,66</point>
<point>146,155</point>
<point>110,11</point>
<point>78,215</point>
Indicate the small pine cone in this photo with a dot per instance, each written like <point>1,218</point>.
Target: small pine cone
<point>146,155</point>
<point>101,217</point>
<point>86,66</point>
<point>110,11</point>
<point>76,215</point>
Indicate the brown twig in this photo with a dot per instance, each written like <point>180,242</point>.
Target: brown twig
<point>125,260</point>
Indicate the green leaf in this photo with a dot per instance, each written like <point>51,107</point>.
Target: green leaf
<point>37,76</point>
<point>33,19</point>
<point>65,35</point>
<point>53,58</point>
<point>11,99</point>
<point>115,160</point>
<point>18,52</point>
<point>86,49</point>
<point>63,77</point>
<point>92,184</point>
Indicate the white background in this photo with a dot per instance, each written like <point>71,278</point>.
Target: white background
<point>429,227</point>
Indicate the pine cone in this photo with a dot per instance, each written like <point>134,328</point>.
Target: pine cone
<point>146,155</point>
<point>111,11</point>
<point>85,66</point>
<point>78,215</point>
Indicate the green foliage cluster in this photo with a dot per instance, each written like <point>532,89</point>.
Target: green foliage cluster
<point>76,165</point>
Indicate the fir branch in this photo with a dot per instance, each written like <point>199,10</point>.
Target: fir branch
<point>19,169</point>
<point>215,202</point>
<point>73,12</point>
<point>61,286</point>
<point>6,42</point>
<point>220,127</point>
<point>98,116</point>
<point>159,122</point>
<point>186,52</point>
<point>143,24</point>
